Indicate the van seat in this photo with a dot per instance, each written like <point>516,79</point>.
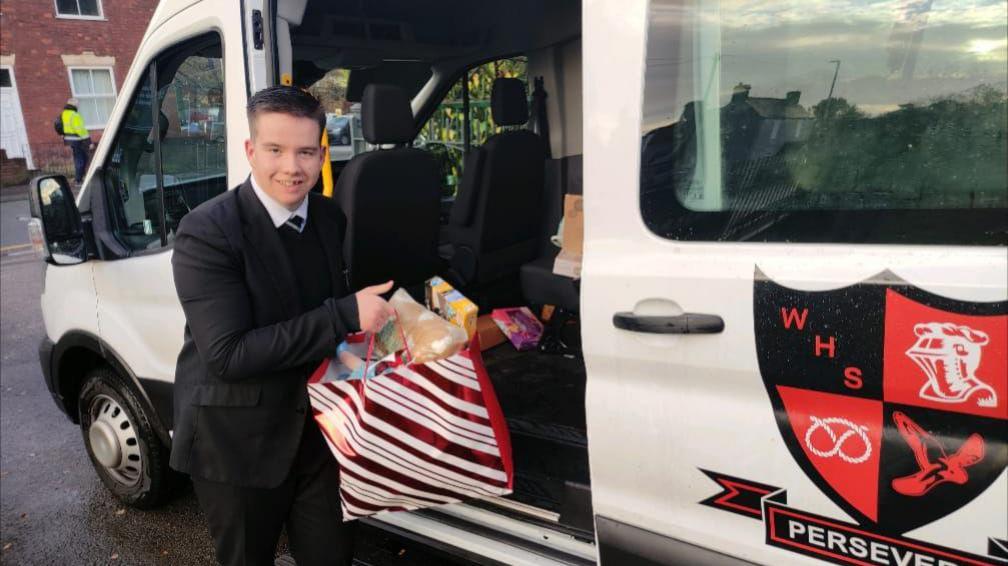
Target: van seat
<point>390,197</point>
<point>496,222</point>
<point>541,286</point>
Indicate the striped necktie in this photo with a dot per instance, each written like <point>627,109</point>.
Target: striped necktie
<point>295,222</point>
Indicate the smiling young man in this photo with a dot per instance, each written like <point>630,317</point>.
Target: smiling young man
<point>259,273</point>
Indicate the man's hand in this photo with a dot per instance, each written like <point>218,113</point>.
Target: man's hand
<point>372,310</point>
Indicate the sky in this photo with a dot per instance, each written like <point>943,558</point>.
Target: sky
<point>890,52</point>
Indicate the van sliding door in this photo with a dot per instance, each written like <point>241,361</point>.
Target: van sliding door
<point>794,300</point>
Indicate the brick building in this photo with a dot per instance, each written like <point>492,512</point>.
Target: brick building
<point>51,50</point>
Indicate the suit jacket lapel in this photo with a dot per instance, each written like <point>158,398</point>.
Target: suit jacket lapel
<point>260,232</point>
<point>330,232</point>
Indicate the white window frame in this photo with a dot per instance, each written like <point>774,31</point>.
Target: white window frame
<point>100,16</point>
<point>115,92</point>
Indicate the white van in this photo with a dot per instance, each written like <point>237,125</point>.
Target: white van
<point>790,342</point>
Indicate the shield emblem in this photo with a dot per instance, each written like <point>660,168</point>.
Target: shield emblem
<point>893,400</point>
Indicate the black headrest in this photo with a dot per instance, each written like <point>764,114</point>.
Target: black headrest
<point>508,102</point>
<point>386,115</point>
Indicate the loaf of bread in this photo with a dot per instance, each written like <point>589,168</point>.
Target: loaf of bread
<point>428,336</point>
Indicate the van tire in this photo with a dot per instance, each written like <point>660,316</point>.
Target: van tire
<point>120,440</point>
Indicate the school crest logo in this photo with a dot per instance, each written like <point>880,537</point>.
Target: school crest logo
<point>893,400</point>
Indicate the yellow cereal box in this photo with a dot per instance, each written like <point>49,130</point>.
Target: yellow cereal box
<point>452,305</point>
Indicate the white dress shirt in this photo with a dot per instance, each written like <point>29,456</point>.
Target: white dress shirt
<point>279,213</point>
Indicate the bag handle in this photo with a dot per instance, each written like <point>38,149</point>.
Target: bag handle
<point>371,341</point>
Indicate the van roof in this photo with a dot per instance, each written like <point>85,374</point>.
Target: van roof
<point>166,9</point>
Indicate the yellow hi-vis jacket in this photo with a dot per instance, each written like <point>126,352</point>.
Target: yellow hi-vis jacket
<point>73,125</point>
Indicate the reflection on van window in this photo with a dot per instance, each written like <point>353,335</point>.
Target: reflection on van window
<point>130,176</point>
<point>757,107</point>
<point>193,151</point>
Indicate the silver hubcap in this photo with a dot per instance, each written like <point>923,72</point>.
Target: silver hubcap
<point>114,441</point>
<point>104,444</point>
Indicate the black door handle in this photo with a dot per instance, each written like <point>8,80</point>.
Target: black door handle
<point>687,323</point>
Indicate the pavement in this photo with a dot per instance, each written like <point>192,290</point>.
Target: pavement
<point>14,228</point>
<point>10,193</point>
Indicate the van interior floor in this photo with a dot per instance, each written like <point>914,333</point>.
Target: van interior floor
<point>542,396</point>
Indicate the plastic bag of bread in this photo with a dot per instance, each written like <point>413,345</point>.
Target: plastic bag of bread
<point>428,336</point>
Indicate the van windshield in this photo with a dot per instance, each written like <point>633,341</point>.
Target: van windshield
<point>339,89</point>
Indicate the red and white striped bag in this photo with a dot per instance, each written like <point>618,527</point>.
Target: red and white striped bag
<point>416,435</point>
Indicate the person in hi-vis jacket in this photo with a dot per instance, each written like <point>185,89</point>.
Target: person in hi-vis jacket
<point>77,137</point>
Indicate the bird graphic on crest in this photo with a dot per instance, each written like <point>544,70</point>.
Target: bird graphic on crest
<point>936,466</point>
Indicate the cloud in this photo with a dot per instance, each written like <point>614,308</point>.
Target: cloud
<point>891,51</point>
<point>761,14</point>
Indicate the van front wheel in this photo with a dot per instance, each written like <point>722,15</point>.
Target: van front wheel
<point>120,440</point>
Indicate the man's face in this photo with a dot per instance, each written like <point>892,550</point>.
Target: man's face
<point>285,155</point>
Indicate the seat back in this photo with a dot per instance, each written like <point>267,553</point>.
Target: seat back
<point>390,197</point>
<point>506,184</point>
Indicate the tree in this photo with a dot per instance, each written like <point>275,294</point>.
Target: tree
<point>331,90</point>
<point>443,132</point>
<point>947,152</point>
<point>836,109</point>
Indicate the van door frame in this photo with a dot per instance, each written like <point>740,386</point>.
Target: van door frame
<point>261,64</point>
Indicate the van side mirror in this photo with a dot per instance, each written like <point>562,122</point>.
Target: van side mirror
<point>55,227</point>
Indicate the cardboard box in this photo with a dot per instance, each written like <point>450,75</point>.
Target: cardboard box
<point>452,305</point>
<point>567,264</point>
<point>573,228</point>
<point>490,334</point>
<point>568,261</point>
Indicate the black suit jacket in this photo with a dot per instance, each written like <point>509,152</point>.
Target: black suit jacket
<point>240,396</point>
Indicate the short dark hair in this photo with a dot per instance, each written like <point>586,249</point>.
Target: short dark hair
<point>285,100</point>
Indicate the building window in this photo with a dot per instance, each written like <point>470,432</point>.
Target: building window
<point>79,8</point>
<point>95,90</point>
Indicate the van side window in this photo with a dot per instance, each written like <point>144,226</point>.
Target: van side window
<point>340,91</point>
<point>129,175</point>
<point>190,144</point>
<point>193,152</point>
<point>785,124</point>
<point>444,133</point>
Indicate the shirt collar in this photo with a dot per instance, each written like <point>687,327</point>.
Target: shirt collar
<point>278,213</point>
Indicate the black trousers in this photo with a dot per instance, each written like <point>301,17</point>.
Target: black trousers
<point>81,149</point>
<point>246,522</point>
